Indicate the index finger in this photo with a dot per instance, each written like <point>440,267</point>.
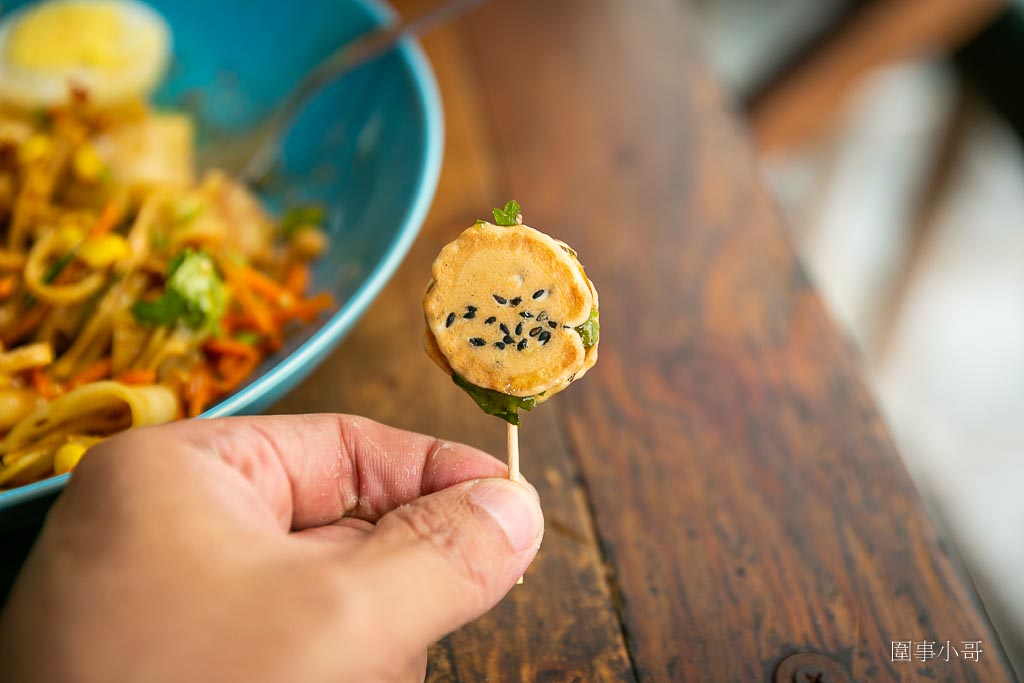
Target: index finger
<point>312,470</point>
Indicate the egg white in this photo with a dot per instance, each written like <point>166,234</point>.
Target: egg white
<point>144,34</point>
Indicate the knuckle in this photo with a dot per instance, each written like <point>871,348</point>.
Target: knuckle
<point>98,461</point>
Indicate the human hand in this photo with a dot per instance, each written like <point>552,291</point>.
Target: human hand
<point>292,548</point>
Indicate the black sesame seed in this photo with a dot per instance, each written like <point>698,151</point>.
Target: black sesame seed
<point>504,328</point>
<point>538,294</point>
<point>508,340</point>
<point>519,329</point>
<point>535,331</point>
<point>521,345</point>
<point>500,345</point>
<point>552,324</point>
<point>544,337</point>
<point>490,320</point>
<point>526,314</point>
<point>469,315</point>
<point>471,309</point>
<point>518,300</point>
<point>477,341</point>
<point>450,320</point>
<point>500,299</point>
<point>542,316</point>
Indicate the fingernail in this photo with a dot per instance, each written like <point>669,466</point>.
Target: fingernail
<point>513,507</point>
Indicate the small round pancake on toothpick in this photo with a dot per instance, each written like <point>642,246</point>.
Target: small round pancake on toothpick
<point>510,314</point>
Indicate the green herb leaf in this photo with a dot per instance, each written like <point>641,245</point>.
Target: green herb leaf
<point>176,261</point>
<point>512,208</point>
<point>194,294</point>
<point>496,403</point>
<point>58,267</point>
<point>42,119</point>
<point>250,338</point>
<point>164,310</point>
<point>508,215</point>
<point>186,210</point>
<point>590,331</point>
<point>55,270</point>
<point>195,278</point>
<point>301,216</point>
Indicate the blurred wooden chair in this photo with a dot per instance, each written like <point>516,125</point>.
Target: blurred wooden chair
<point>800,100</point>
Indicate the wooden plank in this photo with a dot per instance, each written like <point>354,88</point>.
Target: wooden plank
<point>560,625</point>
<point>747,493</point>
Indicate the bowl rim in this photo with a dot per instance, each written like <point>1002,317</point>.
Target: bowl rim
<point>303,359</point>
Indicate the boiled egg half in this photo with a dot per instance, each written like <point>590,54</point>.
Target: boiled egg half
<point>110,50</point>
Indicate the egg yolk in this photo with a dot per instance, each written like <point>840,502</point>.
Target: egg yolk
<point>69,35</point>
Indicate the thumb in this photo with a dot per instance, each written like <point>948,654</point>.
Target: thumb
<point>446,558</point>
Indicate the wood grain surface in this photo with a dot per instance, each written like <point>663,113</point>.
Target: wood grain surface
<point>720,491</point>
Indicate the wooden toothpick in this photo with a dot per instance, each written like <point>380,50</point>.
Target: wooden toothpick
<point>513,462</point>
<point>513,452</point>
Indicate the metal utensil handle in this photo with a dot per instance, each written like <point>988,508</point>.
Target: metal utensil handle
<point>350,56</point>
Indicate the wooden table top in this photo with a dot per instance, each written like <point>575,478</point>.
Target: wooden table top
<point>720,492</point>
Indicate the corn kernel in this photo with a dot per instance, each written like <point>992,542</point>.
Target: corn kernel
<point>309,242</point>
<point>104,251</point>
<point>35,149</point>
<point>87,164</point>
<point>67,456</point>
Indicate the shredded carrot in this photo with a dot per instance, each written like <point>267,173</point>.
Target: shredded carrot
<point>256,312</point>
<point>69,274</point>
<point>42,383</point>
<point>137,377</point>
<point>305,309</point>
<point>252,307</point>
<point>296,279</point>
<point>227,346</point>
<point>233,370</point>
<point>264,286</point>
<point>91,373</point>
<point>234,321</point>
<point>8,285</point>
<point>108,219</point>
<point>199,390</point>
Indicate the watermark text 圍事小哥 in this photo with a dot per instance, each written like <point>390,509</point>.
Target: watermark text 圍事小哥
<point>928,650</point>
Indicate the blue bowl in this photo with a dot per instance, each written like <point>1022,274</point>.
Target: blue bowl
<point>368,148</point>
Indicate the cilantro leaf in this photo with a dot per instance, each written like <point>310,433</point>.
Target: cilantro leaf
<point>193,293</point>
<point>53,273</point>
<point>590,330</point>
<point>176,261</point>
<point>247,337</point>
<point>512,208</point>
<point>494,402</point>
<point>301,216</point>
<point>164,310</point>
<point>508,215</point>
<point>197,281</point>
<point>58,267</point>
